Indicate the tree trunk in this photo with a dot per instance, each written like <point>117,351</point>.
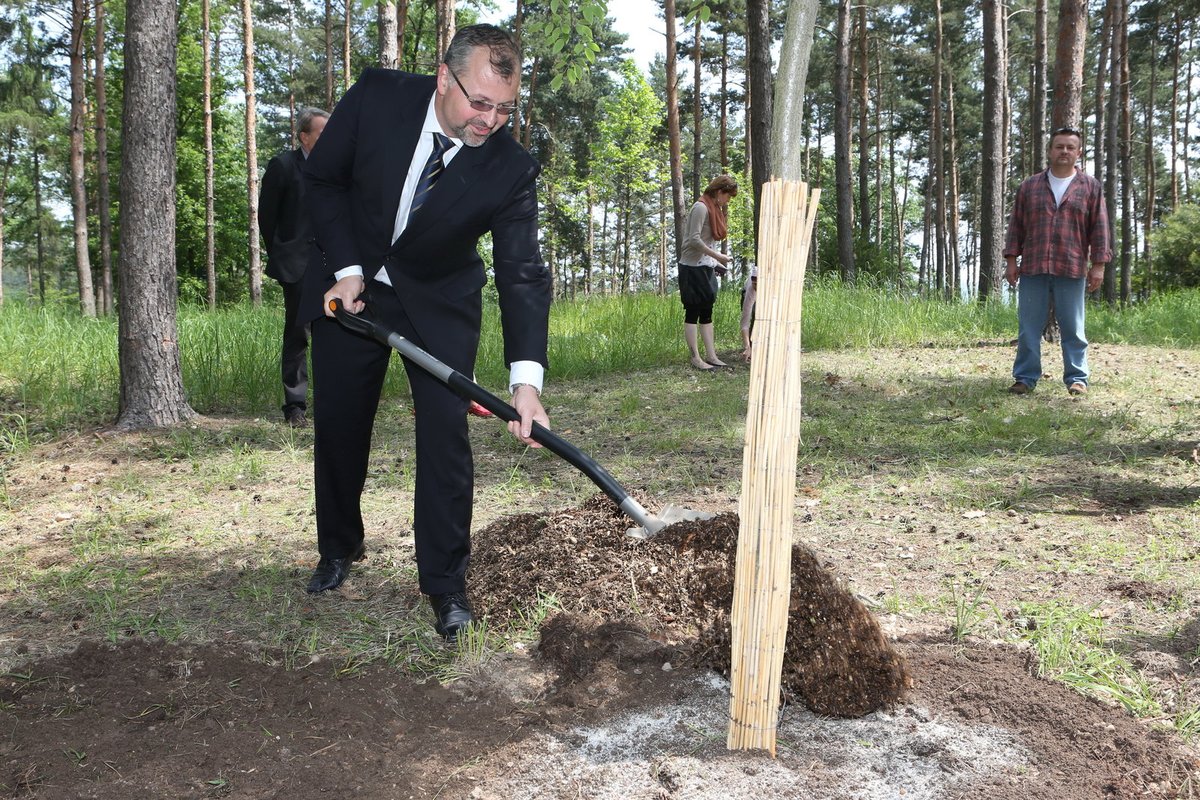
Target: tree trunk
<point>251,154</point>
<point>1068,64</point>
<point>527,137</point>
<point>864,134</point>
<point>955,267</point>
<point>346,6</point>
<point>760,94</point>
<point>148,346</point>
<point>937,154</point>
<point>328,54</point>
<point>1099,135</point>
<point>1148,162</point>
<point>789,149</point>
<point>952,131</point>
<point>210,216</point>
<point>724,134</point>
<point>841,145</point>
<point>388,57</point>
<point>5,171</point>
<point>39,237</point>
<point>445,26</point>
<point>1126,153</point>
<point>1037,94</point>
<point>1112,115</point>
<point>673,126</point>
<point>991,227</point>
<point>401,24</point>
<point>104,194</point>
<point>83,263</point>
<point>1172,165</point>
<point>697,152</point>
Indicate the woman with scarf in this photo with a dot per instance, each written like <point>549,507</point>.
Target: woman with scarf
<point>699,263</point>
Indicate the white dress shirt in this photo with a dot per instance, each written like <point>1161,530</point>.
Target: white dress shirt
<point>527,372</point>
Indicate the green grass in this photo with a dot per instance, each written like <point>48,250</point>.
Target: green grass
<point>58,370</point>
<point>1073,645</point>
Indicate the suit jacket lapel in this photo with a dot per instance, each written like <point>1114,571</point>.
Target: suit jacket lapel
<point>405,119</point>
<point>465,172</point>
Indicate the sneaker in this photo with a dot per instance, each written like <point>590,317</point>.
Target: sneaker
<point>1077,389</point>
<point>1019,388</point>
<point>295,417</point>
<point>477,410</point>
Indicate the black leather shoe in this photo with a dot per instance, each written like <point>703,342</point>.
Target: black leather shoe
<point>451,613</point>
<point>331,572</point>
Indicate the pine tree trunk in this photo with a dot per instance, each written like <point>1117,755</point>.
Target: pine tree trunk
<point>1126,153</point>
<point>864,133</point>
<point>445,26</point>
<point>251,154</point>
<point>1172,165</point>
<point>1111,137</point>
<point>1100,137</point>
<point>148,344</point>
<point>1148,161</point>
<point>210,216</point>
<point>83,263</point>
<point>388,59</point>
<point>346,6</point>
<point>673,133</point>
<point>401,24</point>
<point>937,154</point>
<point>1037,94</point>
<point>991,228</point>
<point>760,97</point>
<point>104,192</point>
<point>697,152</point>
<point>5,171</point>
<point>328,54</point>
<point>953,223</point>
<point>841,145</point>
<point>724,97</point>
<point>1068,64</point>
<point>39,237</point>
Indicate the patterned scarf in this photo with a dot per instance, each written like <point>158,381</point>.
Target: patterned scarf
<point>716,217</point>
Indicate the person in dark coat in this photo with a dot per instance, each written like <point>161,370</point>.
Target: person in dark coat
<point>412,171</point>
<point>284,225</point>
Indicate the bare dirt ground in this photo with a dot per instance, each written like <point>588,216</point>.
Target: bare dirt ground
<point>623,695</point>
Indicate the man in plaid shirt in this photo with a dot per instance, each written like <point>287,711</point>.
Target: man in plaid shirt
<point>1058,223</point>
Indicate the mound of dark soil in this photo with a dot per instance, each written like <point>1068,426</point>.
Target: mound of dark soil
<point>677,588</point>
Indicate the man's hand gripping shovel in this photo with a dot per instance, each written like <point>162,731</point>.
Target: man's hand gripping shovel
<point>648,524</point>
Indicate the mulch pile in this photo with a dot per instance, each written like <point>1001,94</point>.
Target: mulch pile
<point>676,589</point>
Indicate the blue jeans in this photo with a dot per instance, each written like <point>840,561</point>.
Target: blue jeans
<point>1033,306</point>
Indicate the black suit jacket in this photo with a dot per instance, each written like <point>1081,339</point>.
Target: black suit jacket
<point>354,181</point>
<point>282,219</point>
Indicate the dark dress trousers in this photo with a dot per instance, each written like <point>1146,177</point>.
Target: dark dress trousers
<point>284,225</point>
<point>355,179</point>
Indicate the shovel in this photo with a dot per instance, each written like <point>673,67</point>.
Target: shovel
<point>648,524</point>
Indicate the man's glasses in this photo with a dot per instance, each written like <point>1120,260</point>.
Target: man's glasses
<point>482,106</point>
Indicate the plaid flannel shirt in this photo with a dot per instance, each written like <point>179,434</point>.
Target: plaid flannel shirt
<point>1059,239</point>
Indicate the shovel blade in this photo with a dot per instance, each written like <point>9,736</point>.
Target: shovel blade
<point>669,516</point>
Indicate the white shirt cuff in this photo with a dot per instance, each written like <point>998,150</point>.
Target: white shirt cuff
<point>353,269</point>
<point>530,372</point>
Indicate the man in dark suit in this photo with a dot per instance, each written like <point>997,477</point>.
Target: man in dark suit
<point>283,222</point>
<point>397,232</point>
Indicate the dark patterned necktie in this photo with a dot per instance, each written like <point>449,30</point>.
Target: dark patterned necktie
<point>431,172</point>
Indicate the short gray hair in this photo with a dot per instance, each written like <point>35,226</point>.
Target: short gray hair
<point>505,59</point>
<point>307,115</point>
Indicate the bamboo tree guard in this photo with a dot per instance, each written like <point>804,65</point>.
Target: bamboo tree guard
<point>762,582</point>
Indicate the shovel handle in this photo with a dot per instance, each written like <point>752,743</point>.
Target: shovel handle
<point>465,387</point>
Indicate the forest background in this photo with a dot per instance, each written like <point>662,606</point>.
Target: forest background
<point>893,115</point>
